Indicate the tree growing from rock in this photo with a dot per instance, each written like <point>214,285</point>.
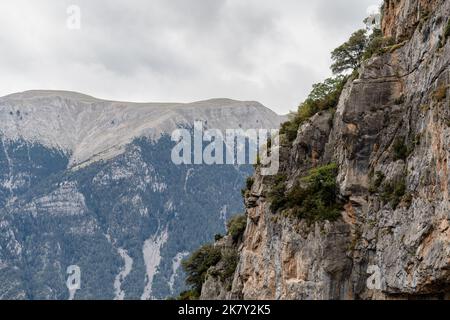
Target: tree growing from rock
<point>348,56</point>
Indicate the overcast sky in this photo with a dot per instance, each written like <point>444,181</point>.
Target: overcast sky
<point>271,51</point>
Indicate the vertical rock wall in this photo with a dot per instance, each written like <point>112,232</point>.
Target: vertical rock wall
<point>385,246</point>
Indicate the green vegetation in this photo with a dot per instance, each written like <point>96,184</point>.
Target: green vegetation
<point>277,193</point>
<point>324,96</point>
<point>401,151</point>
<point>230,259</point>
<point>196,268</point>
<point>248,186</point>
<point>313,198</point>
<point>202,261</point>
<point>446,34</point>
<point>249,183</point>
<point>376,182</point>
<point>225,269</point>
<point>393,192</point>
<point>377,44</point>
<point>349,55</point>
<point>347,58</point>
<point>188,295</point>
<point>236,227</point>
<point>447,31</point>
<point>361,46</point>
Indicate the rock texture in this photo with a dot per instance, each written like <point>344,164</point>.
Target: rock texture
<point>377,250</point>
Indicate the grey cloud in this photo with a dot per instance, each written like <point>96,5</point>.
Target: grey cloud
<point>175,50</point>
<point>343,16</point>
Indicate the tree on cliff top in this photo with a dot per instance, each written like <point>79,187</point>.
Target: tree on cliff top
<point>349,55</point>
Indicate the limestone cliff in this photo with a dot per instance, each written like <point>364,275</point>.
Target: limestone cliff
<point>390,138</point>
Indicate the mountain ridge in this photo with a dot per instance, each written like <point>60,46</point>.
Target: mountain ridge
<point>29,94</point>
<point>92,129</point>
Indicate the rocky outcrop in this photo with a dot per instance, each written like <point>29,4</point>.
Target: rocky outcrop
<point>401,17</point>
<point>390,137</point>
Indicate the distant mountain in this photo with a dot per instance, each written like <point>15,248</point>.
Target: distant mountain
<point>89,129</point>
<point>90,182</point>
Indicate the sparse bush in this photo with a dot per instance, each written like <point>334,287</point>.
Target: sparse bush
<point>208,260</point>
<point>324,96</point>
<point>277,193</point>
<point>315,197</point>
<point>375,44</point>
<point>376,182</point>
<point>230,259</point>
<point>408,199</point>
<point>445,35</point>
<point>400,188</point>
<point>400,149</point>
<point>196,268</point>
<point>236,226</point>
<point>447,31</point>
<point>249,183</point>
<point>248,186</point>
<point>218,237</point>
<point>188,295</point>
<point>394,191</point>
<point>290,128</point>
<point>378,44</point>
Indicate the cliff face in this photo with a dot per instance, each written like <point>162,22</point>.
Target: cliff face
<point>401,17</point>
<point>390,137</point>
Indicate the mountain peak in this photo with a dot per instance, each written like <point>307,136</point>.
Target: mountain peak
<point>91,129</point>
<point>35,94</point>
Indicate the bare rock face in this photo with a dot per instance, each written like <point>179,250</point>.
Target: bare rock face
<point>388,244</point>
<point>402,16</point>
